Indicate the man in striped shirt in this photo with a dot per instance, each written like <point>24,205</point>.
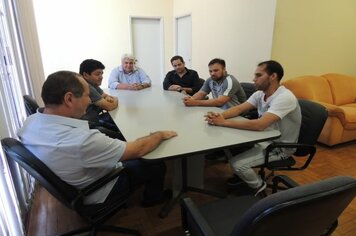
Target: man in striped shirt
<point>225,89</point>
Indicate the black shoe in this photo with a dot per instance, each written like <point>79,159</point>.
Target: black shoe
<point>166,195</point>
<point>235,181</point>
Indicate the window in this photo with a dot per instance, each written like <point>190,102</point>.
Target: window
<point>17,187</point>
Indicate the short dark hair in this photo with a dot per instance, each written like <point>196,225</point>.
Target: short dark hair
<point>58,84</point>
<point>90,65</point>
<point>177,58</point>
<point>217,61</point>
<point>273,67</point>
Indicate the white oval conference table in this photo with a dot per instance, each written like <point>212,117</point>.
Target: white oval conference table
<point>153,109</point>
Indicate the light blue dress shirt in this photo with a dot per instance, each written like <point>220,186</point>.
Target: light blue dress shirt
<point>75,153</point>
<point>118,76</point>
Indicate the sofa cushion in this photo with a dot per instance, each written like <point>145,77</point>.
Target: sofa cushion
<point>343,88</point>
<point>310,87</point>
<point>350,105</point>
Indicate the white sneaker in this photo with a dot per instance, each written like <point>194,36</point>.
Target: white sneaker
<point>260,189</point>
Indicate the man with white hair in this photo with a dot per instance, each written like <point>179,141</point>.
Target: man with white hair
<point>128,76</point>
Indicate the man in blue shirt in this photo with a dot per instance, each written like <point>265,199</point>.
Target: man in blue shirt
<point>79,155</point>
<point>128,76</point>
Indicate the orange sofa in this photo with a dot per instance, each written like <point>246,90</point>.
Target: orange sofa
<point>338,94</point>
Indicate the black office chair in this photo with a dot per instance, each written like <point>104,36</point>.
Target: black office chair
<point>249,89</point>
<point>109,128</point>
<point>101,120</point>
<point>110,133</point>
<point>201,81</point>
<point>71,197</point>
<point>307,210</point>
<point>30,104</point>
<point>314,117</point>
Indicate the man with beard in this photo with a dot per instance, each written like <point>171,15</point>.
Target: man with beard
<point>277,108</point>
<point>182,79</point>
<point>226,90</point>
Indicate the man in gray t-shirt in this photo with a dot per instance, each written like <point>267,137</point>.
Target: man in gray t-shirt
<point>92,71</point>
<point>225,89</point>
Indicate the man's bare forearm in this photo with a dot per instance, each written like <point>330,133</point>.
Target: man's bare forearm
<point>150,142</point>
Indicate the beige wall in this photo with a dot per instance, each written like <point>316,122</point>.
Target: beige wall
<point>73,30</point>
<point>239,31</point>
<point>315,37</point>
<point>309,37</point>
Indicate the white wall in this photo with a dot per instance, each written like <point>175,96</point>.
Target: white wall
<point>73,30</point>
<point>238,31</point>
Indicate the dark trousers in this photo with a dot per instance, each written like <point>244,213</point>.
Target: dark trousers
<point>104,123</point>
<point>138,173</point>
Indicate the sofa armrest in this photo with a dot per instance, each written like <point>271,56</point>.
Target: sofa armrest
<point>334,111</point>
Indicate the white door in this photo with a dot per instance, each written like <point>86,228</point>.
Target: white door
<point>147,46</point>
<point>184,38</point>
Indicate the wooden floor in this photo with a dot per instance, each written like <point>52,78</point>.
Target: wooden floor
<point>49,217</point>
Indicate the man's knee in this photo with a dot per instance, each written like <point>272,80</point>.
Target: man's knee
<point>239,166</point>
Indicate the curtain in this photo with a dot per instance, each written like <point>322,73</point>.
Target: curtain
<point>16,50</point>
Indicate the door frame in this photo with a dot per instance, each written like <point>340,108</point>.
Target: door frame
<point>162,46</point>
<point>176,19</point>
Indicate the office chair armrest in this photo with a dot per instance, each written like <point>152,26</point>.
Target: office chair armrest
<point>190,212</point>
<point>274,145</point>
<point>285,180</point>
<point>98,184</point>
<point>301,150</point>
